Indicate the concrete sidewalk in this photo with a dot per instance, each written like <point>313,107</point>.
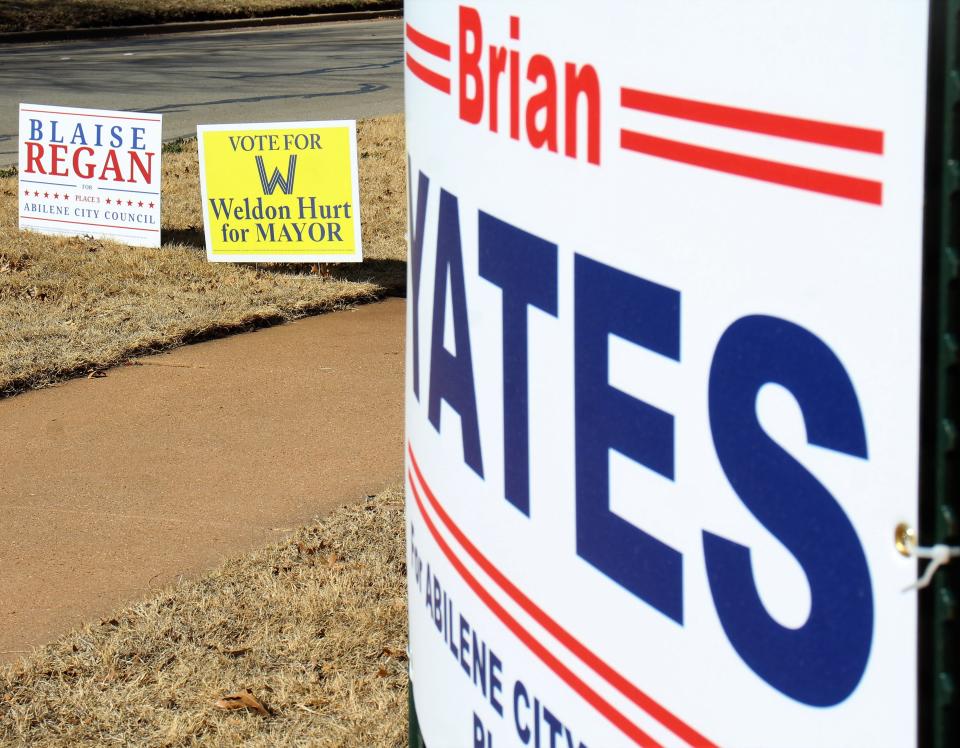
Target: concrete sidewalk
<point>115,486</point>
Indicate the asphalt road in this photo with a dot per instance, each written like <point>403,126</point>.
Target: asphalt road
<point>325,71</point>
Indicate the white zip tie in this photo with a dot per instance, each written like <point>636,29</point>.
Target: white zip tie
<point>939,555</point>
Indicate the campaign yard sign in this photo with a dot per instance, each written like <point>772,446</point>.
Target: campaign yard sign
<point>663,371</point>
<point>280,192</point>
<point>90,172</point>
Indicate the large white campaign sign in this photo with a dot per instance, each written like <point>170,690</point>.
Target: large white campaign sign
<point>90,172</point>
<point>663,370</point>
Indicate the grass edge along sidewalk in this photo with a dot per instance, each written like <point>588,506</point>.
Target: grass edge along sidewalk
<point>74,306</point>
<point>314,627</point>
<point>19,20</point>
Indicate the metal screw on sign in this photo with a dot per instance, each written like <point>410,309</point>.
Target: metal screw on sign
<point>905,539</point>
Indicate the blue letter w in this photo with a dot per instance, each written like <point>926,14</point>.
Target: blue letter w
<point>276,179</point>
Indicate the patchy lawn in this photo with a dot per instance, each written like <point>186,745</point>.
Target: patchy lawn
<point>41,15</point>
<point>314,627</point>
<point>72,305</point>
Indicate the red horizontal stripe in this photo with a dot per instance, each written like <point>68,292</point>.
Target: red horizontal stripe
<point>85,223</point>
<point>102,116</point>
<point>663,716</point>
<point>779,125</point>
<point>813,180</point>
<point>428,43</point>
<point>429,77</point>
<point>562,671</point>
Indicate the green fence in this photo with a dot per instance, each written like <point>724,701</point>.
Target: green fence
<point>415,737</point>
<point>939,455</point>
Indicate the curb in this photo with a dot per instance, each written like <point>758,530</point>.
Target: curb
<point>55,35</point>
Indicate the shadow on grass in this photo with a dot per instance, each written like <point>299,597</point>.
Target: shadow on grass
<point>192,237</point>
<point>391,275</point>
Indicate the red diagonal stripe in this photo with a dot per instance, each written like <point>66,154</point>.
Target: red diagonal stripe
<point>813,180</point>
<point>428,43</point>
<point>562,671</point>
<point>86,223</point>
<point>779,125</point>
<point>429,77</point>
<point>673,723</point>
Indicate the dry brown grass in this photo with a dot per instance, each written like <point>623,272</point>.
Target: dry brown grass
<point>37,15</point>
<point>73,305</point>
<point>315,627</point>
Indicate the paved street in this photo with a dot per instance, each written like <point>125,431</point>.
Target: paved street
<point>323,71</point>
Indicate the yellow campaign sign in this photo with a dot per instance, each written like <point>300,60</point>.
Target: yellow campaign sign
<point>280,192</point>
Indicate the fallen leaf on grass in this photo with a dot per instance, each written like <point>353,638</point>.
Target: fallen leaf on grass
<point>235,652</point>
<point>241,700</point>
<point>228,651</point>
<point>395,653</point>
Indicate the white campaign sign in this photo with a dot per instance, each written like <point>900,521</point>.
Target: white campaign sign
<point>663,371</point>
<point>90,172</point>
